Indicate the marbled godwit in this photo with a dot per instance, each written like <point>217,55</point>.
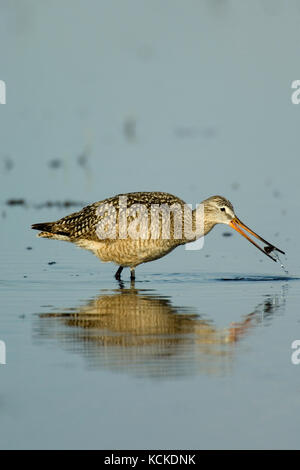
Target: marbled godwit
<point>82,228</point>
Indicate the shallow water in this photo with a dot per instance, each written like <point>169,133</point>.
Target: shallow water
<point>184,358</point>
<point>197,353</point>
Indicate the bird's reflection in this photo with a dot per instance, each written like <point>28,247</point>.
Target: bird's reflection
<point>136,331</point>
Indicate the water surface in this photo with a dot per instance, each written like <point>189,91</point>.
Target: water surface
<point>128,96</point>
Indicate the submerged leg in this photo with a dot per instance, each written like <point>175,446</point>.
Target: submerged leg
<point>118,273</point>
<point>132,274</point>
<point>121,284</point>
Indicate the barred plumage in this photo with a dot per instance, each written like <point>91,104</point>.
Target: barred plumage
<point>99,227</point>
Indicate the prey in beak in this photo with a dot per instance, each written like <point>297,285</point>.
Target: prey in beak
<point>237,225</point>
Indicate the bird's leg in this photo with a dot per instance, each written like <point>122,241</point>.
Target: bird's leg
<point>132,274</point>
<point>118,273</point>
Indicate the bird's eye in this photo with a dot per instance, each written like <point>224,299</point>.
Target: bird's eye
<point>222,209</point>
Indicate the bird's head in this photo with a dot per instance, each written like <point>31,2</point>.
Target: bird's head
<point>218,210</point>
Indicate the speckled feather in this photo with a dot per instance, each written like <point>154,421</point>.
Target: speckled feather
<point>81,228</point>
<point>83,224</point>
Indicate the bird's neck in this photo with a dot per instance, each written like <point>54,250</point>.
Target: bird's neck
<point>201,223</point>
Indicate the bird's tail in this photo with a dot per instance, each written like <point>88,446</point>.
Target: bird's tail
<point>51,230</point>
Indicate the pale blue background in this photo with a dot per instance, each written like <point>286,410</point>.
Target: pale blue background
<point>191,97</point>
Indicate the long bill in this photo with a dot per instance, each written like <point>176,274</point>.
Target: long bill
<point>237,225</point>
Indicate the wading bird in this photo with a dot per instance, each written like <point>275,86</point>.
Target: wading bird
<point>135,228</point>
